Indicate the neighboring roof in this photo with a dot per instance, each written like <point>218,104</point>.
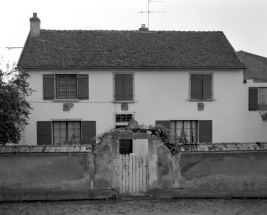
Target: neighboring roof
<point>256,65</point>
<point>128,49</point>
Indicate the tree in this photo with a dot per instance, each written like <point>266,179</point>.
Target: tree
<point>14,109</point>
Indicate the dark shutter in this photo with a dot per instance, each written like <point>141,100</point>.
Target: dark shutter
<point>44,136</point>
<point>253,98</point>
<point>123,87</point>
<point>48,87</point>
<point>119,87</point>
<point>165,123</point>
<point>196,86</point>
<point>205,131</point>
<point>128,87</point>
<point>207,86</point>
<point>83,86</point>
<point>88,132</point>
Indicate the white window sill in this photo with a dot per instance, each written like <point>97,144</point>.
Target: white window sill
<point>66,100</point>
<point>119,102</point>
<point>201,100</point>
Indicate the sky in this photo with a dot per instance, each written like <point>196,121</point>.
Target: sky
<point>244,22</point>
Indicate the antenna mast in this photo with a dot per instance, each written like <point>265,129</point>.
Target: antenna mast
<point>148,11</point>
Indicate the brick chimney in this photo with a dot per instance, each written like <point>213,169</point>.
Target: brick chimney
<point>34,25</point>
<point>143,28</point>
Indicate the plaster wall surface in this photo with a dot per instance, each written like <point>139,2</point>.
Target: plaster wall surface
<point>239,173</point>
<point>56,171</point>
<point>159,95</point>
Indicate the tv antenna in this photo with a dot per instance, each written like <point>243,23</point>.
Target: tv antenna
<point>149,11</point>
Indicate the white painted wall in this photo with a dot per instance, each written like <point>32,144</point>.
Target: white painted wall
<point>159,95</point>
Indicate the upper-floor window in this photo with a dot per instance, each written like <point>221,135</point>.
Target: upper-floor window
<point>201,86</point>
<point>65,86</point>
<point>123,87</point>
<point>258,98</point>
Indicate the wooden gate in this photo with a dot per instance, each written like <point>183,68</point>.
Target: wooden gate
<point>133,173</point>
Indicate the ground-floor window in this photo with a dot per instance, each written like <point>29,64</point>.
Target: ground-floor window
<point>122,120</point>
<point>66,132</point>
<point>126,146</point>
<point>184,131</point>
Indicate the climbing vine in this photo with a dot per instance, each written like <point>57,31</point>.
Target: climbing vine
<point>159,131</point>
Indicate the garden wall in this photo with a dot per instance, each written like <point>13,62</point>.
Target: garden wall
<point>211,173</point>
<point>54,173</point>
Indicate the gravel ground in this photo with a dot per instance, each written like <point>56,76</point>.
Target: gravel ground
<point>140,207</point>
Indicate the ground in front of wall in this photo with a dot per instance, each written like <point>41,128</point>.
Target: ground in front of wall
<point>140,207</point>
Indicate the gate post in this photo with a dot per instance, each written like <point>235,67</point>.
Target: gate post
<point>153,162</point>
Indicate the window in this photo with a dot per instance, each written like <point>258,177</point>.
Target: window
<point>65,86</point>
<point>185,130</point>
<point>201,86</point>
<point>122,120</point>
<point>66,133</point>
<point>126,146</point>
<point>257,98</point>
<point>123,87</point>
<point>191,130</point>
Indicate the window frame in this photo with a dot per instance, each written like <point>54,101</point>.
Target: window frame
<point>191,129</point>
<point>212,86</point>
<point>66,87</point>
<point>114,87</point>
<point>53,130</point>
<point>264,106</point>
<point>122,124</point>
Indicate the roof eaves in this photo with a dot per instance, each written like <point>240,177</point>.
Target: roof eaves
<point>125,67</point>
<point>23,49</point>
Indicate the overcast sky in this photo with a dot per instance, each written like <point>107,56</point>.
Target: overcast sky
<point>244,22</point>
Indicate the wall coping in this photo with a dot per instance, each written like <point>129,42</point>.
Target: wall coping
<point>219,147</point>
<point>43,149</point>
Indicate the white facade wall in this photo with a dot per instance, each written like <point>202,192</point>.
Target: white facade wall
<point>159,95</point>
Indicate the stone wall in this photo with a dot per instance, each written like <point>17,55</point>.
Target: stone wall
<point>198,174</point>
<point>28,173</point>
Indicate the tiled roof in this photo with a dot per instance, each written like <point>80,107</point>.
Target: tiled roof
<point>128,49</point>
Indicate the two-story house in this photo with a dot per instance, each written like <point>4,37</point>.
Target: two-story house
<point>87,81</point>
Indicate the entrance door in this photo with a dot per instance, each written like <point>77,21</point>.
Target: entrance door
<point>133,173</point>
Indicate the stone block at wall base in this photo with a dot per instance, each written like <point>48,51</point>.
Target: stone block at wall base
<point>55,195</point>
<point>171,193</point>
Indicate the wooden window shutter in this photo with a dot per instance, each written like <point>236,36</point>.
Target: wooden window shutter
<point>44,134</point>
<point>83,86</point>
<point>196,86</point>
<point>128,87</point>
<point>253,98</point>
<point>48,87</point>
<point>207,86</point>
<point>119,87</point>
<point>205,131</point>
<point>165,123</point>
<point>88,132</point>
